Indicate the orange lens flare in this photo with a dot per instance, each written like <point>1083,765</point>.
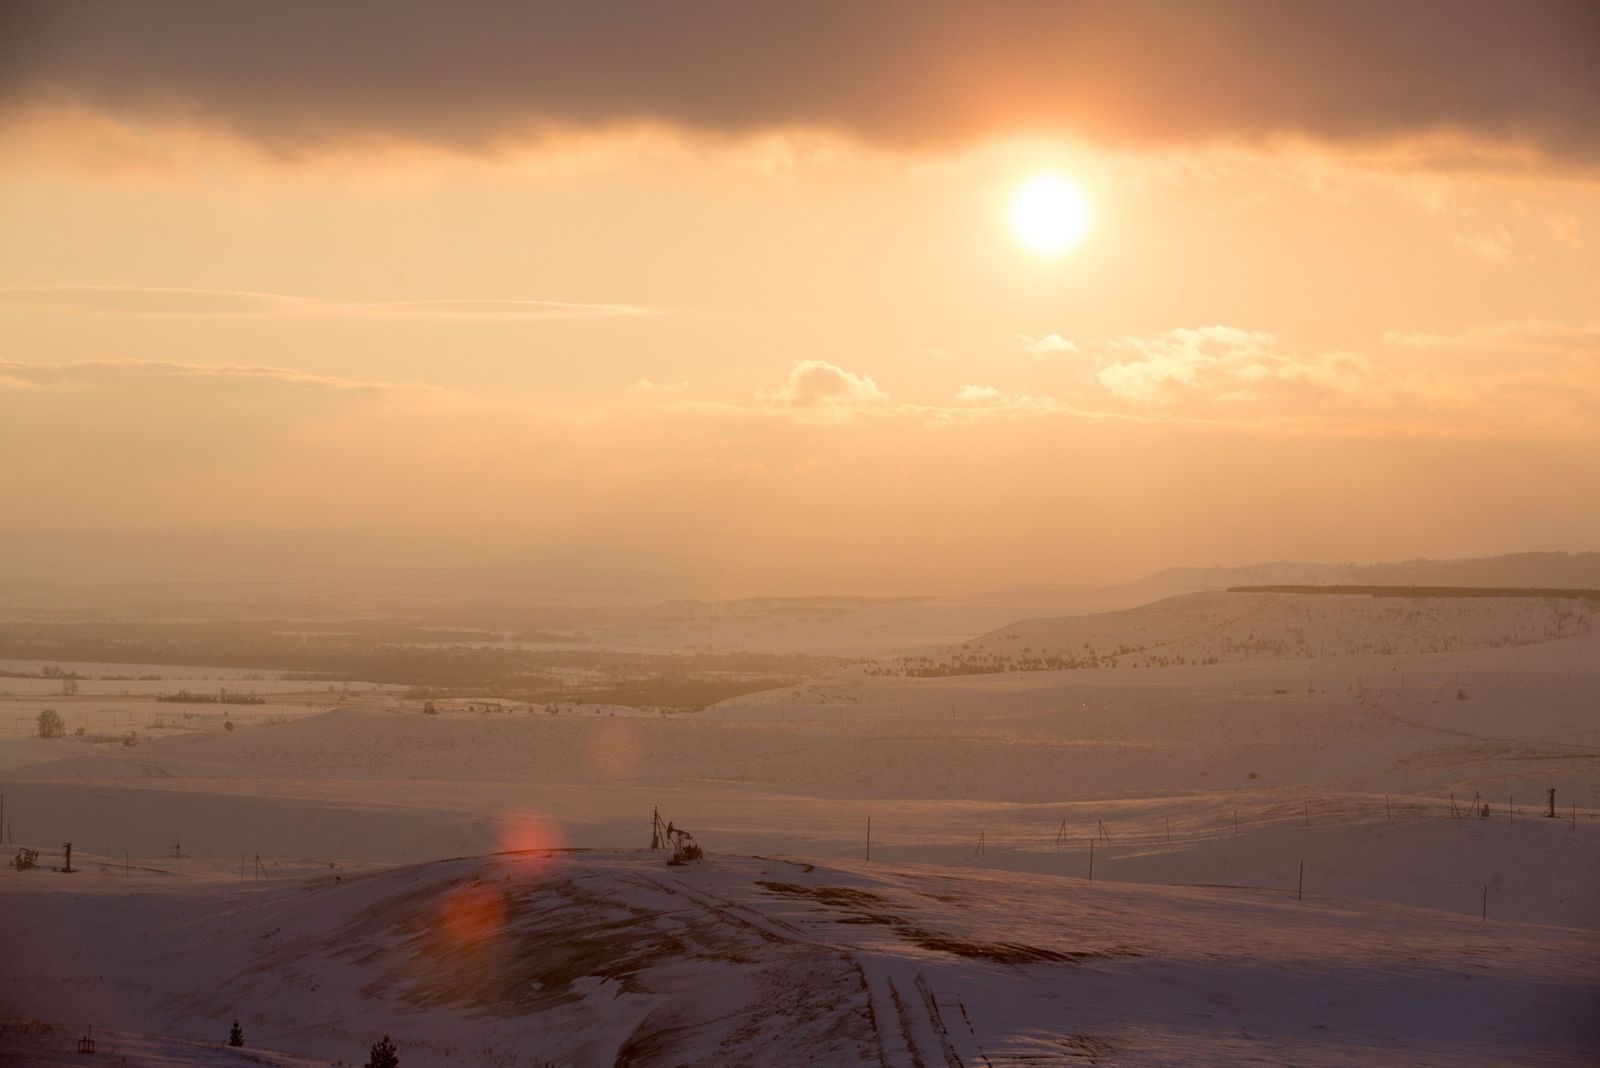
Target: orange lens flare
<point>531,837</point>
<point>472,915</point>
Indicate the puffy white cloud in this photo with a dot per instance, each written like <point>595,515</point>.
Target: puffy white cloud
<point>821,392</point>
<point>1511,379</point>
<point>977,395</point>
<point>1223,363</point>
<point>1048,345</point>
<point>1184,358</point>
<point>647,385</point>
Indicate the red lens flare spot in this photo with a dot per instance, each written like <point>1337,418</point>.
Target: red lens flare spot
<point>472,915</point>
<point>531,837</point>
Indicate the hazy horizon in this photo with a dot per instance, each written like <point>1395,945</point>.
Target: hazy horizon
<point>431,559</point>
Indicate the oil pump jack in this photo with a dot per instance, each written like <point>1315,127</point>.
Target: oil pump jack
<point>663,835</point>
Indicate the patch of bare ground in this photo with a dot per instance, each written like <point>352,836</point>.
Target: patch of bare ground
<point>860,907</point>
<point>836,896</point>
<point>1004,952</point>
<point>1088,1047</point>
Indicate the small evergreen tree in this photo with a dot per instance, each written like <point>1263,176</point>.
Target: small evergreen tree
<point>383,1054</point>
<point>236,1035</point>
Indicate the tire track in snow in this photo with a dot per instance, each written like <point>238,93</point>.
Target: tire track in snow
<point>901,1047</point>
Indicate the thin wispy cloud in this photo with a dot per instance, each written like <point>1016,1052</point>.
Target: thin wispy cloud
<point>249,304</point>
<point>1526,335</point>
<point>159,375</point>
<point>990,400</point>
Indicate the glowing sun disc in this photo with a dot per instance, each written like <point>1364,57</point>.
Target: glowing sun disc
<point>1049,214</point>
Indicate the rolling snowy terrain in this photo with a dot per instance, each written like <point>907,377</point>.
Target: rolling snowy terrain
<point>1289,855</point>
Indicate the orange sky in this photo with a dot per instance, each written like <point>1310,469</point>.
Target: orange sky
<point>794,337</point>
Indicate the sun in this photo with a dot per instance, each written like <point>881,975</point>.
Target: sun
<point>1049,214</point>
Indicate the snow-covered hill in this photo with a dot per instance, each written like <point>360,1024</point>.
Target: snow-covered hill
<point>615,958</point>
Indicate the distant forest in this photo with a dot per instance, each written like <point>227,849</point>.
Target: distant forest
<point>1429,591</point>
<point>670,680</point>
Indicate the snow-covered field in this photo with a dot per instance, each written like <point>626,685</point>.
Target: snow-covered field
<point>1206,796</point>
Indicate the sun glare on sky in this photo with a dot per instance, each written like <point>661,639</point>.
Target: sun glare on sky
<point>744,298</point>
<point>1049,214</point>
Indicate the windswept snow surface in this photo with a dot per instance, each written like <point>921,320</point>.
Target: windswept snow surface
<point>581,958</point>
<point>39,1044</point>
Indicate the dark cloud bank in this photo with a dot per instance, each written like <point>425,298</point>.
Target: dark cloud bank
<point>294,74</point>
